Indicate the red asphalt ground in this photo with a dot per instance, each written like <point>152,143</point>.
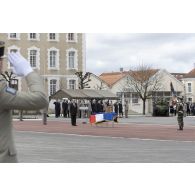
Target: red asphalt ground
<point>131,130</point>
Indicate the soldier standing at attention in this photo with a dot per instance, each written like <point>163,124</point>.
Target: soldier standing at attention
<point>10,99</point>
<point>126,109</point>
<point>180,115</point>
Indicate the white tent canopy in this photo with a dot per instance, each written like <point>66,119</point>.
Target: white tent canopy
<point>83,94</point>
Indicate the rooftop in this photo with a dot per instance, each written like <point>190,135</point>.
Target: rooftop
<point>112,77</point>
<point>190,74</point>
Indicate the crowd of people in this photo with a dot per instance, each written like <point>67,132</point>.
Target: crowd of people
<point>84,108</point>
<point>189,109</point>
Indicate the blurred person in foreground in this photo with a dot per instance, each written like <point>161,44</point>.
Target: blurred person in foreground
<point>11,99</point>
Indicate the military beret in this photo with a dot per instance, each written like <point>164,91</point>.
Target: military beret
<point>2,47</point>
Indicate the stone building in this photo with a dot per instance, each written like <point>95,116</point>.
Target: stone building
<point>56,56</point>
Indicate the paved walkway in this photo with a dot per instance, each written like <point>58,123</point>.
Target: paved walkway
<point>136,139</point>
<point>37,147</point>
<point>135,127</point>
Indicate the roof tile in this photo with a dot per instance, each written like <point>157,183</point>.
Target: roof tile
<point>191,74</point>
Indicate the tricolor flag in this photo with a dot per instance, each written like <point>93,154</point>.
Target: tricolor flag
<point>173,93</point>
<point>108,116</point>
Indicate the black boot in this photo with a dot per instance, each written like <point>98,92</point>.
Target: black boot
<point>179,128</point>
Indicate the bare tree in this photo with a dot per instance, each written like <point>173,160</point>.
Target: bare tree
<point>83,79</point>
<point>144,81</point>
<point>100,87</point>
<point>8,76</point>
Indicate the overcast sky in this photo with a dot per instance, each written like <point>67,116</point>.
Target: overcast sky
<point>110,52</point>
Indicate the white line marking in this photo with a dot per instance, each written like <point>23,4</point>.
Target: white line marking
<point>101,136</point>
<point>27,119</point>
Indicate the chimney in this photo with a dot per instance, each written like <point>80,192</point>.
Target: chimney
<point>121,69</point>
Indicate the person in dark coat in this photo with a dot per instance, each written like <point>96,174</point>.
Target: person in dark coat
<point>73,112</point>
<point>116,108</point>
<point>65,108</point>
<point>94,106</point>
<point>99,107</point>
<point>68,111</point>
<point>188,109</point>
<point>57,108</point>
<point>171,110</point>
<point>120,106</point>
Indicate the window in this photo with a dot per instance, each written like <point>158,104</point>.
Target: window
<point>135,98</point>
<point>168,94</point>
<point>119,94</point>
<point>14,36</point>
<point>189,99</point>
<point>32,35</point>
<point>33,58</point>
<point>72,84</point>
<point>159,94</point>
<point>189,86</point>
<point>12,48</point>
<point>127,94</point>
<point>71,57</point>
<point>52,36</point>
<point>71,37</point>
<point>53,86</point>
<point>52,59</point>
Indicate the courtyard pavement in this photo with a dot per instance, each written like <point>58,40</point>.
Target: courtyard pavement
<point>136,139</point>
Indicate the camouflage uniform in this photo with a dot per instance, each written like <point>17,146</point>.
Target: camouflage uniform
<point>180,116</point>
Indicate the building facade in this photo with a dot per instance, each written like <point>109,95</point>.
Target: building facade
<point>56,56</point>
<point>117,82</point>
<point>189,83</point>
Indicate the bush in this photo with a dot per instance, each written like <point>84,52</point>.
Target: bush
<point>161,108</point>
